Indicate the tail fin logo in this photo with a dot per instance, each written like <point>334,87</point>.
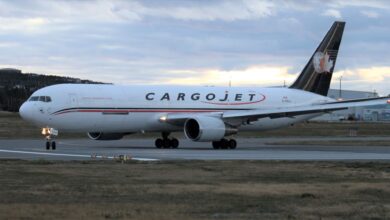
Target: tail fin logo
<point>322,63</point>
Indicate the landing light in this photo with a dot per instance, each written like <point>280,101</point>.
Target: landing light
<point>49,131</point>
<point>163,118</point>
<point>388,101</point>
<point>45,131</point>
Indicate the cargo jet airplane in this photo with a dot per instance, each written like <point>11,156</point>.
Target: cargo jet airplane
<point>205,114</point>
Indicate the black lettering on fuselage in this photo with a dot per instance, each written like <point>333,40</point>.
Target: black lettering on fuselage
<point>225,98</point>
<point>180,96</point>
<point>210,96</point>
<point>251,97</point>
<point>195,96</point>
<point>238,97</point>
<point>165,97</point>
<point>150,96</point>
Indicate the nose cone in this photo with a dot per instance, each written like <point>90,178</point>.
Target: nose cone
<point>25,112</point>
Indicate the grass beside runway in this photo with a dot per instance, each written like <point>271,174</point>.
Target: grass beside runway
<point>194,190</point>
<point>13,127</point>
<point>360,143</point>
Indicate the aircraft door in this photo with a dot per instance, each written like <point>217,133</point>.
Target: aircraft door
<point>73,102</point>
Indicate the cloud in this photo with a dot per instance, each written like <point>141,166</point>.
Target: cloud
<point>111,46</point>
<point>126,11</point>
<point>9,44</point>
<point>191,42</point>
<point>45,16</point>
<point>373,74</point>
<point>253,76</point>
<point>375,4</point>
<point>365,79</point>
<point>223,10</point>
<point>23,24</point>
<point>333,13</point>
<point>262,75</point>
<point>370,14</point>
<point>370,74</point>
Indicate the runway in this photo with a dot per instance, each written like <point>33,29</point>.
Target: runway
<point>143,149</point>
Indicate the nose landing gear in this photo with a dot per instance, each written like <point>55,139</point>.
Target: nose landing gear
<point>50,144</point>
<point>49,134</point>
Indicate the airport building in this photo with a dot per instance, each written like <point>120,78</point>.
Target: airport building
<point>369,113</point>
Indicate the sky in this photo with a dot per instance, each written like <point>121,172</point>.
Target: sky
<point>203,42</point>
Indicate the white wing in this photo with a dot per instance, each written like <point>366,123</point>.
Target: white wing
<point>253,115</point>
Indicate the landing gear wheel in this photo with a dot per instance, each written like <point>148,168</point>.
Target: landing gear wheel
<point>174,143</point>
<point>166,143</point>
<point>47,145</point>
<point>216,145</point>
<point>158,143</point>
<point>53,145</point>
<point>225,144</point>
<point>232,144</point>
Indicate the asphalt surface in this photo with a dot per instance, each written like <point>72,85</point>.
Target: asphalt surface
<point>143,149</point>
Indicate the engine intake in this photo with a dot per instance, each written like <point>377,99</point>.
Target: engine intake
<point>206,128</point>
<point>99,136</point>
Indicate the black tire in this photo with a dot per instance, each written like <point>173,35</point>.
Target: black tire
<point>158,143</point>
<point>216,145</point>
<point>224,144</point>
<point>53,145</point>
<point>174,143</point>
<point>47,145</point>
<point>166,143</point>
<point>232,144</point>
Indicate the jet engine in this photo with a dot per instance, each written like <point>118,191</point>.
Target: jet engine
<point>206,128</point>
<point>99,136</point>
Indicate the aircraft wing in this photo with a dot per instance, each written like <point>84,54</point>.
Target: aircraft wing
<point>253,115</point>
<point>303,110</point>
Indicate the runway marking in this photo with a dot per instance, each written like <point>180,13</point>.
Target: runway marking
<point>71,155</point>
<point>144,159</point>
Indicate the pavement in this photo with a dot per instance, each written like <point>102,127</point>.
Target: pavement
<point>143,149</point>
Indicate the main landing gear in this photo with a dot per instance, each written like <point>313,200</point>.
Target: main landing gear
<point>166,142</point>
<point>225,144</point>
<point>49,134</point>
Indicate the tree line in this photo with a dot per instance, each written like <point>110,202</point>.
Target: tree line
<point>16,87</point>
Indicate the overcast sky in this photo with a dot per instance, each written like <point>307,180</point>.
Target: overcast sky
<point>260,43</point>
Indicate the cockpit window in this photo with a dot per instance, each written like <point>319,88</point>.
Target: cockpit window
<point>40,98</point>
<point>34,98</point>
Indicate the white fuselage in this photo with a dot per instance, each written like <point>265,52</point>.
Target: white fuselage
<point>127,109</point>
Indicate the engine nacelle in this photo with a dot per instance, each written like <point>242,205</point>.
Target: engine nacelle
<point>99,136</point>
<point>206,128</point>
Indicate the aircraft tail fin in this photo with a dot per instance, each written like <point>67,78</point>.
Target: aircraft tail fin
<point>317,74</point>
